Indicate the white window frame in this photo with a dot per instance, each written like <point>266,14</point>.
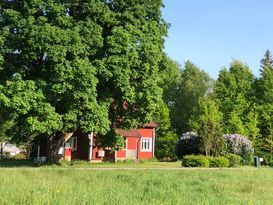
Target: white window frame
<point>146,144</point>
<point>74,143</point>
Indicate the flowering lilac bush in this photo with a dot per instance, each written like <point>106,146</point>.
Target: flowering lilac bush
<point>188,144</point>
<point>238,144</point>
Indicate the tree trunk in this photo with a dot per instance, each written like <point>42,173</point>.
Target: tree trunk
<point>54,144</point>
<point>1,150</point>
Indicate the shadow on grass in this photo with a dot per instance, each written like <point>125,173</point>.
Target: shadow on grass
<point>9,163</point>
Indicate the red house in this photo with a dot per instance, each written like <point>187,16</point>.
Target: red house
<point>139,144</point>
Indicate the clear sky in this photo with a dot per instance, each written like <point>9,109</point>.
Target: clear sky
<point>211,33</point>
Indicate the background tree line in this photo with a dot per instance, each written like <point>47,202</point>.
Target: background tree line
<point>236,103</point>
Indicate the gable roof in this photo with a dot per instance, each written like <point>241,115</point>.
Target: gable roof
<point>151,124</point>
<point>128,133</point>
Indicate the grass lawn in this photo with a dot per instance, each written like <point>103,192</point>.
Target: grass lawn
<point>50,185</point>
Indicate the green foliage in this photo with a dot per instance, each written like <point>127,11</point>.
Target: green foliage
<point>264,93</point>
<point>206,108</point>
<point>166,146</point>
<point>195,161</point>
<point>218,162</point>
<point>248,159</point>
<point>89,65</point>
<point>112,140</point>
<point>120,142</point>
<point>166,139</point>
<point>194,84</point>
<point>234,94</point>
<point>270,163</point>
<point>206,120</point>
<point>234,159</point>
<point>204,161</point>
<point>169,79</point>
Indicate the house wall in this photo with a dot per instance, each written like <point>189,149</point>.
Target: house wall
<point>82,147</point>
<point>121,154</point>
<point>131,142</point>
<point>67,154</point>
<point>147,133</point>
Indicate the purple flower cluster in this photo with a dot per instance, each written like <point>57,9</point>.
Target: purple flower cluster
<point>238,144</point>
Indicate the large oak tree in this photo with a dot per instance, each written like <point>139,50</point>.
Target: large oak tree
<point>78,64</point>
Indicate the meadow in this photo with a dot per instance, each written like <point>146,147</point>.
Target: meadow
<point>99,184</point>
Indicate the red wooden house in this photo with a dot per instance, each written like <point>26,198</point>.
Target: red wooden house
<point>139,144</point>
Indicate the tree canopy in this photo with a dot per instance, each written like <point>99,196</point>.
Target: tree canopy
<point>91,64</point>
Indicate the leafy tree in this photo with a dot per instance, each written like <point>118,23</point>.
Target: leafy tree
<point>194,84</point>
<point>169,77</point>
<point>234,94</point>
<point>166,146</point>
<point>210,134</point>
<point>166,139</point>
<point>264,94</point>
<point>206,120</point>
<point>69,65</point>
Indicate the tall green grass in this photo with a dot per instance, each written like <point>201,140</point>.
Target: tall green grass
<point>85,186</point>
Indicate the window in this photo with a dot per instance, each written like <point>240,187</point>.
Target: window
<point>146,144</point>
<point>74,143</point>
<point>71,143</point>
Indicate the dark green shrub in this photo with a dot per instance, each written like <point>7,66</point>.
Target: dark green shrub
<point>218,162</point>
<point>195,161</point>
<point>234,160</point>
<point>248,159</point>
<point>270,163</point>
<point>166,146</point>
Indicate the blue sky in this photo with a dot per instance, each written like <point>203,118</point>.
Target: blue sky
<point>211,33</point>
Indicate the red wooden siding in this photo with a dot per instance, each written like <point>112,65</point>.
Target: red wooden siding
<point>121,154</point>
<point>132,142</point>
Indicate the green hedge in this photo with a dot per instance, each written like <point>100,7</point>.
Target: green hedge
<point>218,162</point>
<point>234,160</point>
<point>205,161</point>
<point>195,161</point>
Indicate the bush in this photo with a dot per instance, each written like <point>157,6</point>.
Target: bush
<point>234,160</point>
<point>195,161</point>
<point>240,145</point>
<point>248,159</point>
<point>166,146</point>
<point>188,144</point>
<point>270,163</point>
<point>218,162</point>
